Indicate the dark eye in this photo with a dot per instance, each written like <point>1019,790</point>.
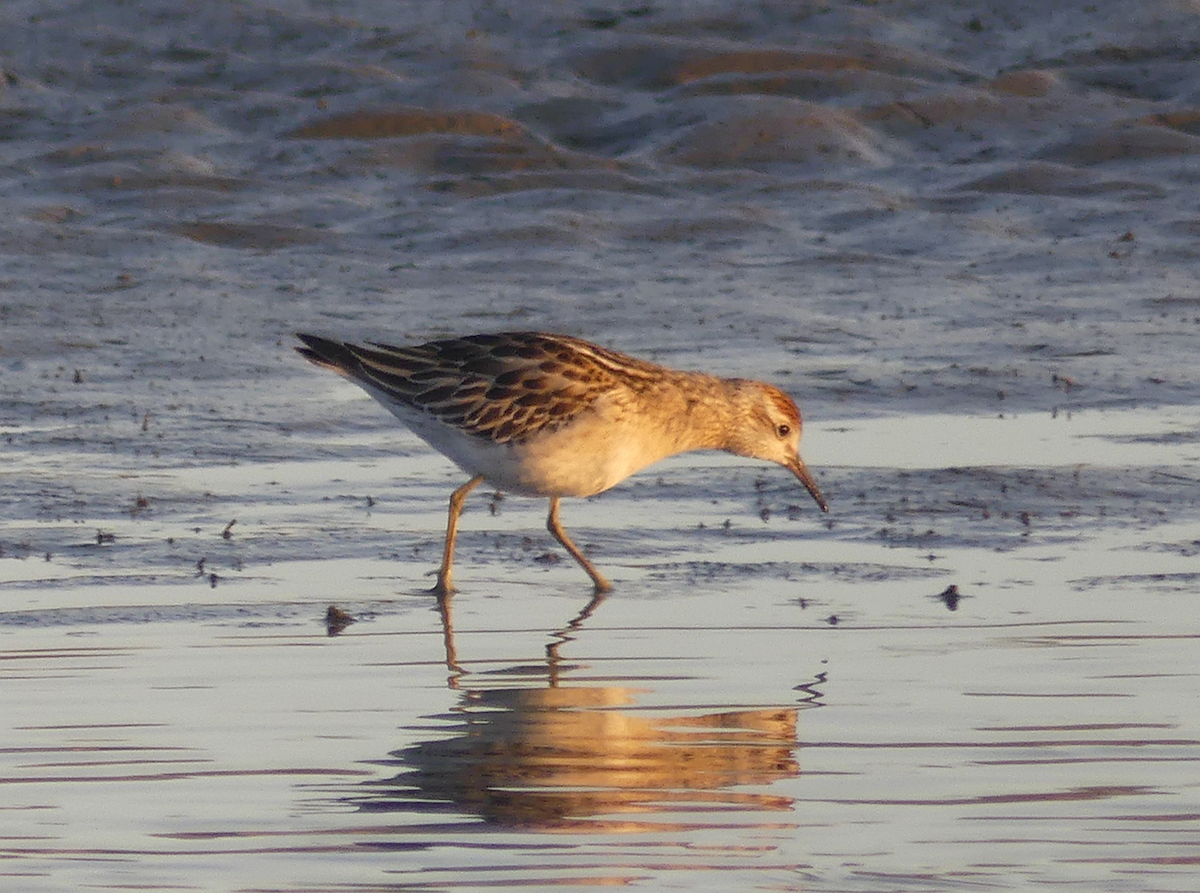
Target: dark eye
<point>783,430</point>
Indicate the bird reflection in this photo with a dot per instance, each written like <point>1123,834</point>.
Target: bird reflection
<point>530,746</point>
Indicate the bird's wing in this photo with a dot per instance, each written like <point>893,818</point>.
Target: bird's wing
<point>503,387</point>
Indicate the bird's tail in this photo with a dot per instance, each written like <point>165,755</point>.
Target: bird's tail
<point>333,355</point>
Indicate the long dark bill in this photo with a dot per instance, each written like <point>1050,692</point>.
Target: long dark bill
<point>800,471</point>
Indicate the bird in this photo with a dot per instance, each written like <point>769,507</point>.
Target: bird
<point>548,415</point>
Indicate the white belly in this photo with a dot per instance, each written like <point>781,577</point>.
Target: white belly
<point>581,459</point>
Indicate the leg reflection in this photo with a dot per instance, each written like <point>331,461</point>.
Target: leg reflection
<point>554,665</point>
<point>553,660</point>
<point>452,664</point>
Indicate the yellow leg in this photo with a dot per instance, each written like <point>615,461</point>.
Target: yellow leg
<point>457,498</point>
<point>556,530</point>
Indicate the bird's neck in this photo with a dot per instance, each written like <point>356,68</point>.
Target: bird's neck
<point>704,413</point>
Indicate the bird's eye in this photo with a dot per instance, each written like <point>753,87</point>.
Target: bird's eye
<point>783,430</point>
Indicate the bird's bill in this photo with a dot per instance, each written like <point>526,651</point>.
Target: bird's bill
<point>799,470</point>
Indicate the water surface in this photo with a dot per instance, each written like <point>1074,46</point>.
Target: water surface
<point>963,236</point>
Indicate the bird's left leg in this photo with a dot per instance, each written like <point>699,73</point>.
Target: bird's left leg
<point>457,498</point>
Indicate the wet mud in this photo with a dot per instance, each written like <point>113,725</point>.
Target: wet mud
<point>963,237</point>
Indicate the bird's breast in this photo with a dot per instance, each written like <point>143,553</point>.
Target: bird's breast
<point>586,457</point>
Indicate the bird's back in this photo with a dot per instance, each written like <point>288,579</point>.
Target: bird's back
<point>504,387</point>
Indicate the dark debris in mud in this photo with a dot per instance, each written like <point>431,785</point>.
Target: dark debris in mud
<point>1006,508</point>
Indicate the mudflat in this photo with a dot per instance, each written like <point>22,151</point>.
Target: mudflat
<point>963,237</point>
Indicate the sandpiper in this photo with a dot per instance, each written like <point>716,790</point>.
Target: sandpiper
<point>550,415</point>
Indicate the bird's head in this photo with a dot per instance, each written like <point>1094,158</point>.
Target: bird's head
<point>769,427</point>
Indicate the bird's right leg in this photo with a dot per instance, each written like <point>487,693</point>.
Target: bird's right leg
<point>556,529</point>
<point>457,498</point>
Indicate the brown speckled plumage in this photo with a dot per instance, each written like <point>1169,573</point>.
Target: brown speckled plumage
<point>505,387</point>
<point>551,415</point>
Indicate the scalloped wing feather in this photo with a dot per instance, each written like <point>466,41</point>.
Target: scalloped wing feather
<point>504,387</point>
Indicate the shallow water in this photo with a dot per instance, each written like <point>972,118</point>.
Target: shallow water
<point>767,701</point>
<point>261,754</point>
<point>962,236</point>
